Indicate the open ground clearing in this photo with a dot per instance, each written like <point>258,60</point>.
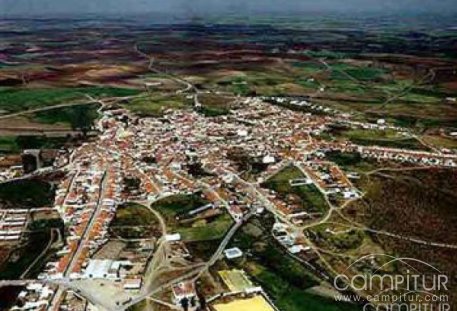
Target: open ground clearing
<point>134,221</point>
<point>309,197</point>
<point>175,210</point>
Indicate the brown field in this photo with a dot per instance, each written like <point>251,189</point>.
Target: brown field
<point>416,204</point>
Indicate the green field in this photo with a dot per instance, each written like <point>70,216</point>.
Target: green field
<point>22,257</point>
<point>327,54</point>
<point>39,234</point>
<point>8,144</point>
<point>420,98</point>
<point>155,105</point>
<point>237,85</point>
<point>177,206</point>
<point>293,299</point>
<point>309,68</point>
<point>202,249</point>
<point>309,83</point>
<point>27,193</point>
<point>440,141</point>
<point>202,231</point>
<point>310,197</point>
<point>351,161</point>
<point>268,263</point>
<point>431,117</point>
<point>214,105</point>
<point>19,99</point>
<point>381,138</point>
<point>76,117</point>
<point>342,71</point>
<point>284,279</point>
<point>342,241</point>
<point>134,221</point>
<point>15,144</point>
<point>265,82</point>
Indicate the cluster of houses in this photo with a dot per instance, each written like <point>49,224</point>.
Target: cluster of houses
<point>80,203</point>
<point>330,179</point>
<point>423,158</point>
<point>10,172</point>
<point>414,157</point>
<point>289,238</point>
<point>300,102</point>
<point>35,296</point>
<point>87,200</point>
<point>12,224</point>
<point>151,158</point>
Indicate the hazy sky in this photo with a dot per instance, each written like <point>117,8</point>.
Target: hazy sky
<point>200,7</point>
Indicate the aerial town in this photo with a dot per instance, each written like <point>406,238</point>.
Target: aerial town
<point>259,163</point>
<point>94,186</point>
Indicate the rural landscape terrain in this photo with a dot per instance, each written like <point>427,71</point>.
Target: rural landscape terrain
<point>224,164</point>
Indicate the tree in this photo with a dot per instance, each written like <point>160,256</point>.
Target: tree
<point>202,301</point>
<point>185,304</point>
<point>81,118</point>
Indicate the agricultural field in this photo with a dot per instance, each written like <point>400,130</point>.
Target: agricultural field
<point>75,117</point>
<point>173,206</point>
<point>340,238</point>
<point>210,226</point>
<point>135,221</point>
<point>214,105</point>
<point>13,100</point>
<point>372,83</point>
<point>17,262</point>
<point>40,126</point>
<point>37,248</point>
<point>294,300</point>
<point>14,144</point>
<point>27,193</point>
<point>154,105</point>
<point>285,280</point>
<point>417,204</point>
<point>352,161</point>
<point>440,140</point>
<point>207,230</point>
<point>382,138</point>
<point>8,144</point>
<point>308,196</point>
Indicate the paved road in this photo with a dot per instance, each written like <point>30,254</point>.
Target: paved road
<point>43,252</point>
<point>268,205</point>
<point>410,239</point>
<point>58,295</point>
<point>195,273</point>
<point>332,208</point>
<point>218,253</point>
<point>187,85</point>
<point>87,231</point>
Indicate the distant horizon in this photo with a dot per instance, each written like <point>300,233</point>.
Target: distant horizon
<point>416,21</point>
<point>202,8</point>
<point>247,17</point>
